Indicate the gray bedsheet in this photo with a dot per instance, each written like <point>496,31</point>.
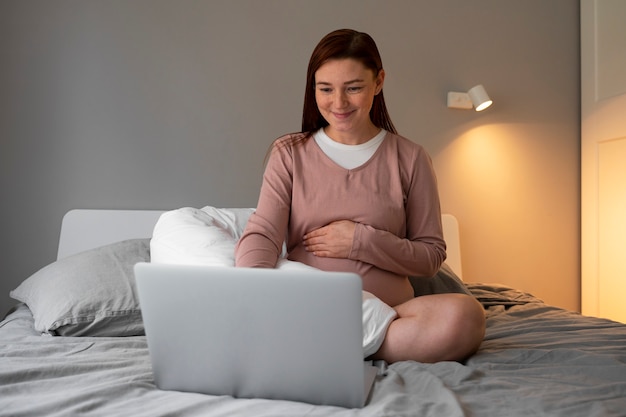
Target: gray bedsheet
<point>536,360</point>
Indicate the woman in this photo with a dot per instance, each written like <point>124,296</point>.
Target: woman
<point>352,195</point>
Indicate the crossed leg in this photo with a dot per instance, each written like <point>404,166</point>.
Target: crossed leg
<point>433,328</point>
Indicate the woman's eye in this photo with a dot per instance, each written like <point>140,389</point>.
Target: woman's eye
<point>325,90</point>
<point>354,89</point>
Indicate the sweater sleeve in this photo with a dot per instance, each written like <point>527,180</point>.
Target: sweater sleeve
<point>423,250</point>
<point>261,242</point>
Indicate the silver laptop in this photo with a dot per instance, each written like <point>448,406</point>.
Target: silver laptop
<point>256,333</point>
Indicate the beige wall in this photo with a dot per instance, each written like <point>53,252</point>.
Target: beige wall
<point>162,104</point>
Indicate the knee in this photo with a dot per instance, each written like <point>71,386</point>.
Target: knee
<point>442,327</point>
<point>466,326</point>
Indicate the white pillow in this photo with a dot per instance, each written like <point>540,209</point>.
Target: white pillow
<point>194,236</point>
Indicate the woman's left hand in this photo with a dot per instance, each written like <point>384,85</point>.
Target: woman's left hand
<point>333,240</point>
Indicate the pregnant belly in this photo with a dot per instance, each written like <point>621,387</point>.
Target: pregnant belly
<point>391,288</point>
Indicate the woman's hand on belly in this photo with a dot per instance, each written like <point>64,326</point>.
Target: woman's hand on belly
<point>335,241</point>
<point>332,241</point>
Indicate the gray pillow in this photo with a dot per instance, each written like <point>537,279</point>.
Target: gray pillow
<point>92,293</point>
<point>443,282</point>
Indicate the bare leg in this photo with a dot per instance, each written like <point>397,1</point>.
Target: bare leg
<point>434,328</point>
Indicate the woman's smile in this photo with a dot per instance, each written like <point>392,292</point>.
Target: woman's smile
<point>343,115</point>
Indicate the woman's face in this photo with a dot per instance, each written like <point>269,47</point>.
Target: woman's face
<point>344,92</point>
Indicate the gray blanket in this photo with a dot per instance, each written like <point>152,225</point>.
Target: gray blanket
<point>535,360</point>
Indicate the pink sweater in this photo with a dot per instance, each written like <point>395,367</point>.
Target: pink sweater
<point>392,197</point>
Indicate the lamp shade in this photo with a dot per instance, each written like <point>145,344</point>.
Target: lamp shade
<point>479,97</point>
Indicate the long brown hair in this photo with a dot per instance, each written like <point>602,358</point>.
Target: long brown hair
<point>342,44</point>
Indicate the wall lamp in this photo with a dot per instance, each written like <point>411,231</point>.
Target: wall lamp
<point>476,97</point>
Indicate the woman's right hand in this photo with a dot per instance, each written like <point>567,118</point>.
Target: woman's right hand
<point>333,240</point>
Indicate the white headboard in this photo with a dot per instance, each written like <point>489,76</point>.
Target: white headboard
<point>84,229</point>
<point>453,243</point>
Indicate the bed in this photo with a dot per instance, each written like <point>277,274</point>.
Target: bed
<point>91,357</point>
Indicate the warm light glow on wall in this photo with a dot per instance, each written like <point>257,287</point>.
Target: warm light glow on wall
<point>490,160</point>
<point>496,182</point>
<point>612,229</point>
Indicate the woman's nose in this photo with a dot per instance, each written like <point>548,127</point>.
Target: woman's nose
<point>341,99</point>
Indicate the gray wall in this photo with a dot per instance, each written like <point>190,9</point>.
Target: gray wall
<point>163,104</point>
